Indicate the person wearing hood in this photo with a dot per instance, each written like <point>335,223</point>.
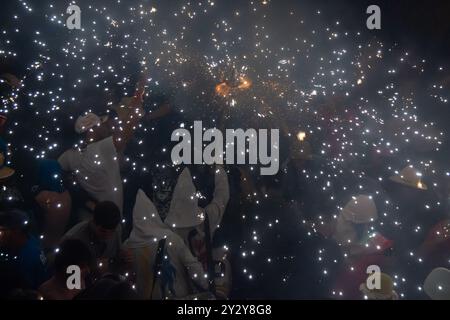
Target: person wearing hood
<point>190,221</point>
<point>187,219</point>
<point>53,201</point>
<point>151,238</point>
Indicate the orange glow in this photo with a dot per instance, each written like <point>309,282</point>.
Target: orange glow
<point>223,89</point>
<point>245,83</point>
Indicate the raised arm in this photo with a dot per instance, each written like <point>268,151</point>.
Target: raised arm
<point>125,132</point>
<point>162,111</point>
<point>216,208</point>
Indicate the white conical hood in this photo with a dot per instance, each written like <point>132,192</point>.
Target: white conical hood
<point>184,211</point>
<point>147,225</point>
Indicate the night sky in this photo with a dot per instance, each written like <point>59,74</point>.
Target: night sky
<point>309,66</point>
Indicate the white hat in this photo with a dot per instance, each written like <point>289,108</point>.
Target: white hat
<point>437,284</point>
<point>409,177</point>
<point>147,224</point>
<point>360,209</point>
<point>184,211</point>
<point>88,121</point>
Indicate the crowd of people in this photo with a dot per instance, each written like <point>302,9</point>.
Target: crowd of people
<point>78,233</point>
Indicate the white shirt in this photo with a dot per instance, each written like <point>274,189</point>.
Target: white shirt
<point>97,170</point>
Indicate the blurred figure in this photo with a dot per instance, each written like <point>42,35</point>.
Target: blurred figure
<point>53,202</point>
<point>196,225</point>
<point>186,218</point>
<point>163,265</point>
<point>360,243</point>
<point>23,251</point>
<point>96,162</point>
<point>102,236</point>
<point>353,225</point>
<point>71,253</point>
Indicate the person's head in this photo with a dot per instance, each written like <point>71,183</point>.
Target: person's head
<point>93,127</point>
<point>106,219</point>
<point>73,252</point>
<point>13,229</point>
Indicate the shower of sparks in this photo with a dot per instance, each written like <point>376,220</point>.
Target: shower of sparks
<point>347,95</point>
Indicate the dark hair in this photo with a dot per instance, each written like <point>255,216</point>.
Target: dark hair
<point>72,252</point>
<point>107,215</point>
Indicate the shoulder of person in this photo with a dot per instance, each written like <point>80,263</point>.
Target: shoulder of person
<point>78,230</point>
<point>106,141</point>
<point>69,152</point>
